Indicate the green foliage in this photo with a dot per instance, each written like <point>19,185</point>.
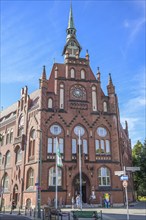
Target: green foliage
<point>139,160</point>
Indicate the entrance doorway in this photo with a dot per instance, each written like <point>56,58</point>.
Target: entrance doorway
<point>85,187</point>
<point>15,194</point>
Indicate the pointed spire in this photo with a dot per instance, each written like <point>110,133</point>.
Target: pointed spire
<point>71,20</point>
<point>110,82</point>
<point>44,73</point>
<point>110,87</point>
<point>98,74</point>
<point>71,31</point>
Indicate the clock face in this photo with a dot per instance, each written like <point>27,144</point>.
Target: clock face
<point>77,93</point>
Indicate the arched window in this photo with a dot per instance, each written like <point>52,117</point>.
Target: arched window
<point>105,106</point>
<point>52,176</point>
<point>11,136</point>
<point>0,159</point>
<point>7,159</point>
<point>30,178</point>
<point>55,131</point>
<point>28,203</point>
<point>5,182</point>
<point>31,145</point>
<point>82,74</point>
<point>7,137</point>
<point>61,96</point>
<point>18,155</point>
<point>50,103</point>
<point>2,139</point>
<point>102,141</point>
<point>21,126</point>
<point>79,131</point>
<point>72,73</point>
<point>94,99</point>
<point>104,176</point>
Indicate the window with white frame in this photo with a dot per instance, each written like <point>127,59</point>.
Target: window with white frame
<point>72,73</point>
<point>6,182</point>
<point>7,159</point>
<point>104,176</point>
<point>82,74</point>
<point>11,136</point>
<point>52,176</point>
<point>52,145</point>
<point>50,103</point>
<point>30,178</point>
<point>18,155</point>
<point>0,159</point>
<point>105,106</point>
<point>94,98</point>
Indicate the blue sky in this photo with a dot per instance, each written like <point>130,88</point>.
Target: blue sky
<point>33,34</point>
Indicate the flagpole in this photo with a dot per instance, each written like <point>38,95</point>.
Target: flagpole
<point>56,193</point>
<point>80,170</point>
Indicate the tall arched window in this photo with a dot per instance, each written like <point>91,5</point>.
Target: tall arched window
<point>52,176</point>
<point>11,136</point>
<point>72,73</point>
<point>7,137</point>
<point>83,139</point>
<point>2,139</point>
<point>94,98</point>
<point>5,182</point>
<point>21,126</point>
<point>102,141</point>
<point>104,176</point>
<point>32,145</point>
<point>55,130</point>
<point>61,96</point>
<point>0,159</point>
<point>82,74</point>
<point>30,178</point>
<point>50,103</point>
<point>105,106</point>
<point>18,155</point>
<point>7,159</point>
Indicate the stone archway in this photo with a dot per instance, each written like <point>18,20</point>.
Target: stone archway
<point>85,187</point>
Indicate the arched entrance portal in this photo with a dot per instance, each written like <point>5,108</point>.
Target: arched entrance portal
<point>85,187</point>
<point>15,194</point>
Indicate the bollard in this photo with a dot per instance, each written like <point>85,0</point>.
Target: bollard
<point>11,210</point>
<point>25,211</point>
<point>34,211</point>
<point>30,212</point>
<point>19,213</point>
<point>4,210</point>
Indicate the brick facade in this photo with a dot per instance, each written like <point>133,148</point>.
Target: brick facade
<point>71,97</point>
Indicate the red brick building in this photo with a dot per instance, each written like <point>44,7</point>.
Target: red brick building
<point>70,100</point>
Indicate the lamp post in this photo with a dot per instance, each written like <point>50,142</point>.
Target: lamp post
<point>39,176</point>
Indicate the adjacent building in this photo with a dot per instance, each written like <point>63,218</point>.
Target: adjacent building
<point>71,103</point>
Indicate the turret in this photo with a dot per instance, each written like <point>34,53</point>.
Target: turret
<point>110,87</point>
<point>42,80</point>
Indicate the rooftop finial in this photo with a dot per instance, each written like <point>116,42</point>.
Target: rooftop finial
<point>110,80</point>
<point>98,74</point>
<point>44,72</point>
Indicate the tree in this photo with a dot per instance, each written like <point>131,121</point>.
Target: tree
<point>139,160</point>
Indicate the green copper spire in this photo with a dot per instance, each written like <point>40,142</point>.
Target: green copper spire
<point>71,20</point>
<point>71,31</point>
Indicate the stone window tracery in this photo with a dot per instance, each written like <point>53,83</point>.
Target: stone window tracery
<point>102,141</point>
<point>30,178</point>
<point>7,159</point>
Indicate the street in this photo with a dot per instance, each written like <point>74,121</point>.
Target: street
<point>12,217</point>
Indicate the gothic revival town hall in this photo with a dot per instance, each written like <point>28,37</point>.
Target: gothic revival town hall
<point>69,100</point>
